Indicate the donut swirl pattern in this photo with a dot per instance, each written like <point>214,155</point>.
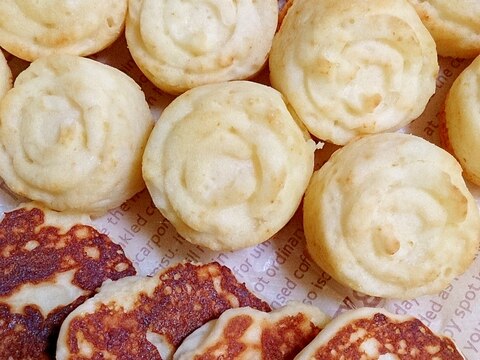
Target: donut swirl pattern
<point>183,44</point>
<point>30,29</point>
<point>227,164</point>
<point>352,68</point>
<point>454,24</point>
<point>390,215</point>
<point>72,134</point>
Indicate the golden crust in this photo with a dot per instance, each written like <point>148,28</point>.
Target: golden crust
<point>50,263</point>
<point>246,333</point>
<point>373,333</point>
<point>151,315</point>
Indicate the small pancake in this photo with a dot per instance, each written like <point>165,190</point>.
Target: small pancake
<point>49,264</point>
<point>151,315</point>
<point>368,333</point>
<point>246,334</point>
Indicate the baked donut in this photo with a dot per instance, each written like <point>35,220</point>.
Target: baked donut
<point>72,134</point>
<point>227,164</point>
<point>390,215</point>
<point>454,24</point>
<point>31,29</point>
<point>182,44</point>
<point>353,68</point>
<point>460,123</point>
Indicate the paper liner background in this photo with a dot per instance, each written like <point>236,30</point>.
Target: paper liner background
<point>280,269</point>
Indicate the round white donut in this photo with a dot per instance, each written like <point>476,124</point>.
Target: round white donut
<point>31,29</point>
<point>182,44</point>
<point>227,164</point>
<point>354,68</point>
<point>390,215</point>
<point>72,134</point>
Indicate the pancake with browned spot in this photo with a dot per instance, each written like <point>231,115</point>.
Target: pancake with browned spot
<point>248,334</point>
<point>136,316</point>
<point>49,264</point>
<point>370,333</point>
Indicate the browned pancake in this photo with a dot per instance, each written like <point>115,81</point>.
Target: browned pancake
<point>140,317</point>
<point>368,333</point>
<point>246,334</point>
<point>49,264</point>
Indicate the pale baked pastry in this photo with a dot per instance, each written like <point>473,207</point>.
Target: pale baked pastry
<point>353,67</point>
<point>5,76</point>
<point>390,215</point>
<point>148,317</point>
<point>374,333</point>
<point>50,263</point>
<point>31,29</point>
<point>227,164</point>
<point>72,134</point>
<point>249,334</point>
<point>454,24</point>
<point>182,44</point>
<point>461,122</point>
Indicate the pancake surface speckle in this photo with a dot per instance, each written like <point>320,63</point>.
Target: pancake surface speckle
<point>49,264</point>
<point>151,315</point>
<point>246,333</point>
<point>372,334</point>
